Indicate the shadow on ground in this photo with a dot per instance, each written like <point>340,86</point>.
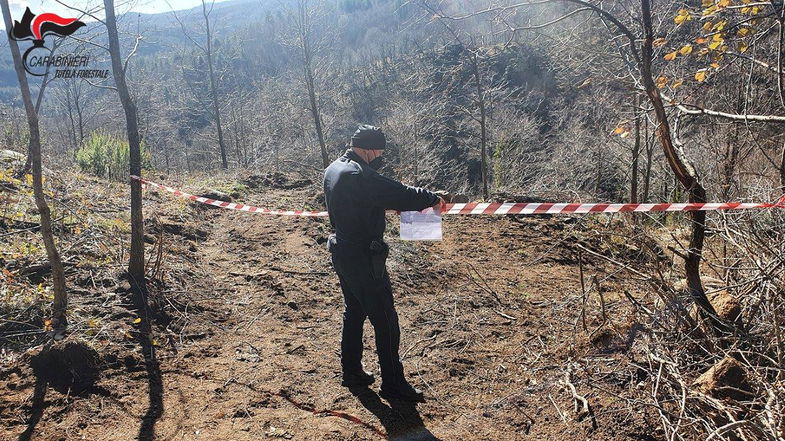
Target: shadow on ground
<point>401,420</point>
<point>155,407</point>
<point>155,388</point>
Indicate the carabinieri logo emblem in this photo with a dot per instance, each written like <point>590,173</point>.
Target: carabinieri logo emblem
<point>38,58</point>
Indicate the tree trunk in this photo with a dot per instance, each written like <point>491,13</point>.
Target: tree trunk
<point>305,45</point>
<point>44,82</point>
<point>598,176</point>
<point>782,170</point>
<point>686,175</point>
<point>72,134</point>
<point>317,119</point>
<point>79,116</point>
<point>781,83</point>
<point>244,141</point>
<point>416,159</point>
<point>136,259</point>
<point>59,319</point>
<point>213,91</point>
<point>483,125</point>
<point>635,153</point>
<point>649,160</point>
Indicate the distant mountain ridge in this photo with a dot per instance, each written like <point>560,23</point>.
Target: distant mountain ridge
<point>160,32</point>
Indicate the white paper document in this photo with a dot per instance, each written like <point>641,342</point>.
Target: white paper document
<point>421,225</point>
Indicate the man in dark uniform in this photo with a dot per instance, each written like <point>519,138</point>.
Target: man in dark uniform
<point>357,197</point>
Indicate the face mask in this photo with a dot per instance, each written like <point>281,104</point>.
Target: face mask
<point>377,163</point>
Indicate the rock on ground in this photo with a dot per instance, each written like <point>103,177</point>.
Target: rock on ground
<point>726,379</point>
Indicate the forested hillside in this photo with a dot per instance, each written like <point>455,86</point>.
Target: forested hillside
<point>611,266</point>
<point>386,62</point>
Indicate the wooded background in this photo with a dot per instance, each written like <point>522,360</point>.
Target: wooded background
<point>545,107</point>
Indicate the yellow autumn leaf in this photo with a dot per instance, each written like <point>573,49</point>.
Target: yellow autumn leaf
<point>754,10</point>
<point>715,44</point>
<point>662,81</point>
<point>670,56</point>
<point>717,37</point>
<point>707,3</point>
<point>707,26</point>
<point>29,179</point>
<point>742,32</point>
<point>618,130</point>
<point>700,75</point>
<point>659,42</point>
<point>677,83</point>
<point>743,47</point>
<point>724,3</point>
<point>683,16</point>
<point>92,323</point>
<point>715,65</point>
<point>720,25</point>
<point>710,10</point>
<point>686,49</point>
<point>746,10</point>
<point>137,320</point>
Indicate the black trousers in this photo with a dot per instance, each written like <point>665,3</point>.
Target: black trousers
<point>366,295</point>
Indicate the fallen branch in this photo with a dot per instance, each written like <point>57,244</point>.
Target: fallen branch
<point>561,414</point>
<point>508,317</point>
<point>484,285</point>
<point>585,409</point>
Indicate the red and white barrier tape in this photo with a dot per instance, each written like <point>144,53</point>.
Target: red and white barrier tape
<point>568,208</point>
<point>501,208</point>
<point>230,205</point>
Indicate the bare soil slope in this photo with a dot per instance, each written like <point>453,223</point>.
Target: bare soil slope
<point>247,320</point>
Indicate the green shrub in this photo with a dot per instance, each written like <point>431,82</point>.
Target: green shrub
<point>106,156</point>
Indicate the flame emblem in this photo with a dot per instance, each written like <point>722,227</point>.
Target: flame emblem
<point>37,27</point>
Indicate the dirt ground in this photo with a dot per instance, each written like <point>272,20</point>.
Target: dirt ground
<point>248,348</point>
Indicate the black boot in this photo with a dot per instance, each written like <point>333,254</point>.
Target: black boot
<point>402,391</point>
<point>357,378</point>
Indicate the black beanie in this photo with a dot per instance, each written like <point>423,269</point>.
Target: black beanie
<point>368,137</point>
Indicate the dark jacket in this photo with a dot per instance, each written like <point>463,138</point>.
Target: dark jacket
<point>357,197</point>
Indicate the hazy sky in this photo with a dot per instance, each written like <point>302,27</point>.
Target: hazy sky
<point>146,6</point>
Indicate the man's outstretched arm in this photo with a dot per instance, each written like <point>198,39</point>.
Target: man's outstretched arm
<point>393,195</point>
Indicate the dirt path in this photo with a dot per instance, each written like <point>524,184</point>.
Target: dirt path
<point>489,323</point>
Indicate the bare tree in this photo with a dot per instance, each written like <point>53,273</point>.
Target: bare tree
<point>207,50</point>
<point>71,99</point>
<point>305,41</point>
<point>685,172</point>
<point>636,152</point>
<point>475,59</point>
<point>136,255</point>
<point>640,56</point>
<point>44,82</point>
<point>59,319</point>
